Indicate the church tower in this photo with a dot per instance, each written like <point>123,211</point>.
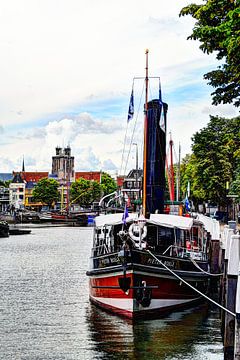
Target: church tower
<point>63,164</point>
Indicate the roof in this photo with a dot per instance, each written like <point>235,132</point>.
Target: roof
<point>34,176</point>
<point>30,185</point>
<point>120,180</point>
<point>17,178</point>
<point>88,175</point>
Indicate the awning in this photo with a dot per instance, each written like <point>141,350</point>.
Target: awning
<point>114,219</point>
<point>172,221</point>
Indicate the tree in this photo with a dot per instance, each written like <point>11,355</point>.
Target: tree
<point>108,184</point>
<point>46,191</point>
<point>5,183</point>
<point>217,29</point>
<point>188,172</point>
<point>235,185</point>
<point>217,156</point>
<point>84,192</point>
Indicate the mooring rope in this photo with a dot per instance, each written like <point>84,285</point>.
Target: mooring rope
<point>192,287</point>
<point>205,272</point>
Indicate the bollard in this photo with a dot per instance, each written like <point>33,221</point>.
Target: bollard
<point>233,225</point>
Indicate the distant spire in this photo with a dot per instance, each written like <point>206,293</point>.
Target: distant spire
<point>23,165</point>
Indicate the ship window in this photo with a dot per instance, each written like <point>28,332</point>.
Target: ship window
<point>165,238</point>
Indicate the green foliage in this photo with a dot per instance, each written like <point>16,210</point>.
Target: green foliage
<point>235,185</point>
<point>5,183</point>
<point>84,192</point>
<point>217,28</point>
<point>188,172</point>
<point>46,191</point>
<point>215,159</point>
<point>108,184</point>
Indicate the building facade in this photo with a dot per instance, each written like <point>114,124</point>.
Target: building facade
<point>17,192</point>
<point>31,179</point>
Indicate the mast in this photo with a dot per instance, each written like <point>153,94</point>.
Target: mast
<point>145,140</point>
<point>171,169</point>
<point>178,173</point>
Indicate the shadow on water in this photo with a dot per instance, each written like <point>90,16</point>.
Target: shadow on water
<point>185,335</point>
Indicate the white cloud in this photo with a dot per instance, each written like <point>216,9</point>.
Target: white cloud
<point>66,56</point>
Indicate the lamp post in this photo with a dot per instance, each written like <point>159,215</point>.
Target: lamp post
<point>227,190</point>
<point>233,197</point>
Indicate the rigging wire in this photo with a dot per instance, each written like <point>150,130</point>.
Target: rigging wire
<point>192,287</point>
<point>133,132</point>
<point>125,137</point>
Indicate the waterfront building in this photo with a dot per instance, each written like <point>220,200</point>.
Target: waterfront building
<point>4,198</point>
<point>132,185</point>
<point>4,191</point>
<point>17,191</point>
<point>31,179</point>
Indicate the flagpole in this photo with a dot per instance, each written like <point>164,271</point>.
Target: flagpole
<point>145,140</point>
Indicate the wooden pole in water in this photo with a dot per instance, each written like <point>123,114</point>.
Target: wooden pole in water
<point>231,289</point>
<point>237,322</point>
<point>226,244</point>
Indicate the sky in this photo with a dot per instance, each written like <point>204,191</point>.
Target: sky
<point>67,68</point>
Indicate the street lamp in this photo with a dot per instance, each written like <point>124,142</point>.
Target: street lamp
<point>233,197</point>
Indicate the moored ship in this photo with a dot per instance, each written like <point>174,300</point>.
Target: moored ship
<point>148,263</point>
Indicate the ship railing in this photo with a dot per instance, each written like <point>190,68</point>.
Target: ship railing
<point>183,252</point>
<point>102,249</point>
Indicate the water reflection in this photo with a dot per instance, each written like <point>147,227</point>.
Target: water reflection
<point>45,313</point>
<point>179,336</point>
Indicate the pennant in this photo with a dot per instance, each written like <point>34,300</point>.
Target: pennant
<point>131,107</point>
<point>125,215</point>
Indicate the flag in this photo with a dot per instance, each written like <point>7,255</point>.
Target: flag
<point>187,204</point>
<point>162,117</point>
<point>125,215</point>
<point>160,93</point>
<point>131,107</point>
<point>188,188</point>
<point>162,120</point>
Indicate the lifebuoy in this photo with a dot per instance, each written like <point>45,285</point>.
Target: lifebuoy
<point>134,228</point>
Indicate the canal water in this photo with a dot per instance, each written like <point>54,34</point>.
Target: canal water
<point>45,313</point>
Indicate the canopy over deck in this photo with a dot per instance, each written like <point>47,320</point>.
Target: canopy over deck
<point>156,219</point>
<point>172,221</point>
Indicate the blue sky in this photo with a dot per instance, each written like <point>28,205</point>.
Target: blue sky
<point>66,71</point>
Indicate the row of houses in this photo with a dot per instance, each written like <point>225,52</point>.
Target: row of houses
<point>19,193</point>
